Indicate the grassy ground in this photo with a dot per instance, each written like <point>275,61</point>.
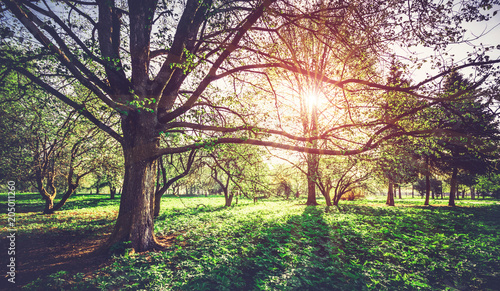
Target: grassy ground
<point>277,245</point>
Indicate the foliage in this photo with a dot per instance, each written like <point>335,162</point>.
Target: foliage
<point>489,184</point>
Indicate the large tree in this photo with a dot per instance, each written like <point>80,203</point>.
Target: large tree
<point>155,63</point>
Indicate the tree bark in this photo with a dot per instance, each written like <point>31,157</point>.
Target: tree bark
<point>112,192</point>
<point>390,194</point>
<point>328,200</point>
<point>472,193</point>
<point>228,198</point>
<point>312,173</point>
<point>49,204</point>
<point>453,187</point>
<point>135,219</point>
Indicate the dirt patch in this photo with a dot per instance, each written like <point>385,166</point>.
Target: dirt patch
<point>40,255</point>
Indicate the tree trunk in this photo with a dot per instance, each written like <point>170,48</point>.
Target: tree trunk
<point>453,187</point>
<point>50,208</point>
<point>311,192</point>
<point>390,194</point>
<point>157,206</point>
<point>472,193</point>
<point>399,192</point>
<point>112,192</point>
<point>49,204</point>
<point>228,198</point>
<point>98,188</point>
<point>71,190</point>
<point>326,194</point>
<point>312,174</point>
<point>427,189</point>
<point>135,218</point>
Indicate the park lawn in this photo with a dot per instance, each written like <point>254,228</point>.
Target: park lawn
<point>281,245</point>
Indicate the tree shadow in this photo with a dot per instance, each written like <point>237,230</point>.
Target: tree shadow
<point>299,254</point>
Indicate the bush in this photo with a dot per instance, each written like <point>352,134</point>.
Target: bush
<point>352,195</point>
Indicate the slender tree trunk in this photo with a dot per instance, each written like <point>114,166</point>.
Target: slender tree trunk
<point>157,205</point>
<point>69,192</point>
<point>472,193</point>
<point>427,188</point>
<point>453,187</point>
<point>412,191</point>
<point>399,191</point>
<point>112,192</point>
<point>390,194</point>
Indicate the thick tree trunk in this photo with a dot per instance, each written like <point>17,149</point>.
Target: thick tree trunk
<point>312,174</point>
<point>453,187</point>
<point>390,194</point>
<point>49,204</point>
<point>328,200</point>
<point>311,192</point>
<point>135,218</point>
<point>228,198</point>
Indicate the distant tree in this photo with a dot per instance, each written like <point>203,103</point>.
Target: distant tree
<point>470,133</point>
<point>177,167</point>
<point>488,184</point>
<point>343,176</point>
<point>56,147</point>
<point>237,167</point>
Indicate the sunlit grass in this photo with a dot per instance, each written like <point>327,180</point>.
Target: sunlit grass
<point>282,245</point>
<point>81,213</point>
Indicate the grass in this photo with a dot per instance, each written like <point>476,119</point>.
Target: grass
<point>280,245</point>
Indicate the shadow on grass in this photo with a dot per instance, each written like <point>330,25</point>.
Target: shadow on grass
<point>296,255</point>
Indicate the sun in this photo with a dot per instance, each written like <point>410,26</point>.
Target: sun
<point>311,99</point>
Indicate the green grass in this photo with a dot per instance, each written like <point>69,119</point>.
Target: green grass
<point>279,245</point>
